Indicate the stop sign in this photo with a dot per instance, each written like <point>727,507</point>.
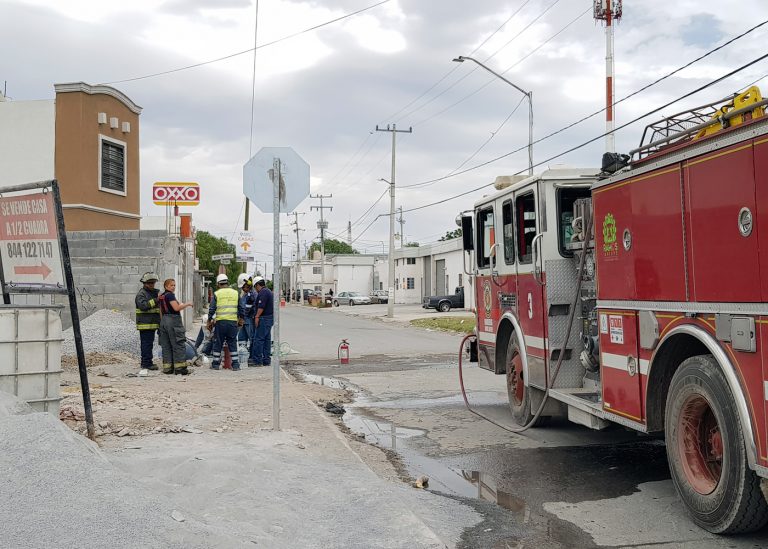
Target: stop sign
<point>259,173</point>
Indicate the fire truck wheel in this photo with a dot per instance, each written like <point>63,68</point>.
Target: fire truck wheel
<point>706,452</point>
<point>517,393</point>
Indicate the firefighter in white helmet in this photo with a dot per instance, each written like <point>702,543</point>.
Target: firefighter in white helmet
<point>247,303</point>
<point>225,307</point>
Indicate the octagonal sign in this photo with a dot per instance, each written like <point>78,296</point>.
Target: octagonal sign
<point>258,175</point>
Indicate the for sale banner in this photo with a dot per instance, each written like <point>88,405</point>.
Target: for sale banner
<point>29,240</point>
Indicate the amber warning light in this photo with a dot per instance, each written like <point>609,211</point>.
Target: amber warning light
<point>176,194</point>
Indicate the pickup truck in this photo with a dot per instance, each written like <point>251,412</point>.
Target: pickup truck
<point>444,303</point>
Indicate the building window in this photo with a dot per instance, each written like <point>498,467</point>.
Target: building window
<point>318,288</point>
<point>316,270</point>
<point>461,280</point>
<point>112,161</point>
<point>410,261</point>
<point>410,283</point>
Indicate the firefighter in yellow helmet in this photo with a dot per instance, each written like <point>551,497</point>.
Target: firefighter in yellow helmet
<point>225,309</point>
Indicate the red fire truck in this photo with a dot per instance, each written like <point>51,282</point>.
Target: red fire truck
<point>657,318</point>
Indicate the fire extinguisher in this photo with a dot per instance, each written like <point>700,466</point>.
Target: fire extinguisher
<point>343,352</point>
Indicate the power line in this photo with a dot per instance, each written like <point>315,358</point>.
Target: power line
<point>577,122</point>
<point>489,82</point>
<point>470,157</point>
<point>455,67</point>
<point>230,56</point>
<point>528,26</point>
<point>372,206</point>
<point>585,143</point>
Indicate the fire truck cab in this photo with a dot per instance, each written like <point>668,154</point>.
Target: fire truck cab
<point>639,296</point>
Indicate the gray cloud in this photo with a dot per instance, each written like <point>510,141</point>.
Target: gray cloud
<point>196,123</point>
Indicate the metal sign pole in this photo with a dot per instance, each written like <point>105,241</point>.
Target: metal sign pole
<point>276,174</point>
<point>74,312</point>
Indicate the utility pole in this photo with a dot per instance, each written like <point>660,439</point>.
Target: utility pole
<point>299,275</point>
<point>349,233</point>
<point>391,300</point>
<point>322,225</point>
<point>402,222</point>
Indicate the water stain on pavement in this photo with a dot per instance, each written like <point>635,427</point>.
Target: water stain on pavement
<point>507,485</point>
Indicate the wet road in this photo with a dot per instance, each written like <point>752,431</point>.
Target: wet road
<point>561,486</point>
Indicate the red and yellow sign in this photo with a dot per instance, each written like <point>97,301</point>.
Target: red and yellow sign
<point>176,194</point>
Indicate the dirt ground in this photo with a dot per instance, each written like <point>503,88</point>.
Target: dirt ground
<point>127,408</point>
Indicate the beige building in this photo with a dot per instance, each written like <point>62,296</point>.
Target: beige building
<point>88,139</point>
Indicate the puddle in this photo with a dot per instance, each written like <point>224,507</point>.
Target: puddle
<point>517,480</point>
<point>332,382</point>
<point>487,489</point>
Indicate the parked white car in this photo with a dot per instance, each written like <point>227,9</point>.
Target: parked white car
<point>351,298</point>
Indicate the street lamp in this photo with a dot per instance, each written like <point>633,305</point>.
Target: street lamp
<point>391,254</point>
<point>529,95</point>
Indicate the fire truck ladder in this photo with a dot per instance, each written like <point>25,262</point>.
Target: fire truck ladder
<point>701,121</point>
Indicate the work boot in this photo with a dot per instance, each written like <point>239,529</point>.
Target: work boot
<point>181,371</point>
<point>252,364</point>
<point>151,367</point>
<point>167,368</point>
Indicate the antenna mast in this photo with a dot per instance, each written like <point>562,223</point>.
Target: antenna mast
<point>608,11</point>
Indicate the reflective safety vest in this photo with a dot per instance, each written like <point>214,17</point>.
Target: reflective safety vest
<point>147,310</point>
<point>226,304</point>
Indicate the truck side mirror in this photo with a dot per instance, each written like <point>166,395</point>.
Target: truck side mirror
<point>466,233</point>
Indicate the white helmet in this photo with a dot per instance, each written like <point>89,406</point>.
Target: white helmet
<point>222,279</point>
<point>259,280</point>
<point>243,279</point>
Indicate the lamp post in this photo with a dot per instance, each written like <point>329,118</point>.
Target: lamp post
<point>529,95</point>
<point>391,254</point>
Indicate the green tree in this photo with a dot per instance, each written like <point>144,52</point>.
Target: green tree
<point>208,246</point>
<point>450,235</point>
<point>412,245</point>
<point>333,246</point>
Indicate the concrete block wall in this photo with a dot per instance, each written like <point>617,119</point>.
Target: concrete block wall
<point>107,265</point>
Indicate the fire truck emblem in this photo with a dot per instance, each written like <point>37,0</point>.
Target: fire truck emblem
<point>487,299</point>
<point>609,235</point>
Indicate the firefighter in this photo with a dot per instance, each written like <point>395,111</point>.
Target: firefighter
<point>225,307</point>
<point>173,337</point>
<point>263,320</point>
<point>147,317</point>
<point>247,303</point>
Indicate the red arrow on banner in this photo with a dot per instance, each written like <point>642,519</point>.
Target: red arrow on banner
<point>42,270</point>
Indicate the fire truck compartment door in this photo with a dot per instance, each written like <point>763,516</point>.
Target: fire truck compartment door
<point>620,364</point>
<point>724,262</point>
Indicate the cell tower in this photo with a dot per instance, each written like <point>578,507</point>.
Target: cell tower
<point>608,11</point>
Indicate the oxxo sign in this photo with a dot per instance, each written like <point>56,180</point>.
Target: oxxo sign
<point>176,194</point>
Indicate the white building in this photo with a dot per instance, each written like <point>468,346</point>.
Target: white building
<point>343,273</point>
<point>433,269</point>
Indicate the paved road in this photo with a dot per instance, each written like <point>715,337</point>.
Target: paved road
<point>316,334</point>
<point>562,486</point>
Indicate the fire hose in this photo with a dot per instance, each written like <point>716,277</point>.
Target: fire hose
<point>559,359</point>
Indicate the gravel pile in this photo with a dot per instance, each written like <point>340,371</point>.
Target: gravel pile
<point>105,331</point>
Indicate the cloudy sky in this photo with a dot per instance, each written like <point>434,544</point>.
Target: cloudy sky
<point>323,92</point>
